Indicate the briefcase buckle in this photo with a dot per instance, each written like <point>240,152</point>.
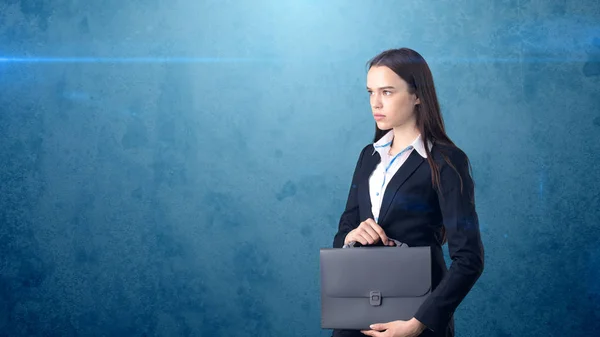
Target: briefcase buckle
<point>375,298</point>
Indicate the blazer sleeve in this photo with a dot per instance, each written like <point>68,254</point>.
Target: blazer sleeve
<point>350,217</point>
<point>464,244</point>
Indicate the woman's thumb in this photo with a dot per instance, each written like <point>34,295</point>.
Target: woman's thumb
<point>378,326</point>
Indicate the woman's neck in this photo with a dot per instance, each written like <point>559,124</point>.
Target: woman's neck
<point>403,137</point>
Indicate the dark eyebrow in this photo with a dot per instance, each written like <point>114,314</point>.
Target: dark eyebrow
<point>388,87</point>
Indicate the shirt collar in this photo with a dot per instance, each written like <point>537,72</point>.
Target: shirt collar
<point>383,145</point>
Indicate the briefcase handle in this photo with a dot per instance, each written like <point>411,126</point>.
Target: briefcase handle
<point>398,244</point>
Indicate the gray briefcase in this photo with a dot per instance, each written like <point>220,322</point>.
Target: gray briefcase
<point>372,284</point>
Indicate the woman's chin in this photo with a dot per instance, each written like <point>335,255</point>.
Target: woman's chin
<point>382,125</point>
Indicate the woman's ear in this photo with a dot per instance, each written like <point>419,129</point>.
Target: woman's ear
<point>417,101</point>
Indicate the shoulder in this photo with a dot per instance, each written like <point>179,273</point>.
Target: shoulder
<point>367,150</point>
<point>447,152</point>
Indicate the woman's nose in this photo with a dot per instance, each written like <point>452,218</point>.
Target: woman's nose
<point>376,102</point>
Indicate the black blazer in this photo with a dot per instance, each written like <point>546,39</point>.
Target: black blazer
<point>413,212</point>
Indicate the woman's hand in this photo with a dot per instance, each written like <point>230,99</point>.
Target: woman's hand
<point>368,233</point>
<point>411,328</point>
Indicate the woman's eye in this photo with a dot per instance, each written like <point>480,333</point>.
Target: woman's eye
<point>386,92</point>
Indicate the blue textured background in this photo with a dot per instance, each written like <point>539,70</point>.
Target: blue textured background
<point>146,191</point>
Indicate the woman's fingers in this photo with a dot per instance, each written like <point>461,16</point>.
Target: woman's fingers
<point>369,233</point>
<point>363,238</point>
<point>378,230</point>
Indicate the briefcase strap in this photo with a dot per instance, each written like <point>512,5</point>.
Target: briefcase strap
<point>398,244</point>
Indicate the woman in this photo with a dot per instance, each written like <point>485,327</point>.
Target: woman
<point>422,195</point>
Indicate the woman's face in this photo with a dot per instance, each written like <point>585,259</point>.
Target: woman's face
<point>391,102</point>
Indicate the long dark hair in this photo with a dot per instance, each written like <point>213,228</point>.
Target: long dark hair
<point>413,69</point>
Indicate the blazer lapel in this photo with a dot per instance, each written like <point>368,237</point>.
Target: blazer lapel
<point>413,161</point>
<point>370,161</point>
